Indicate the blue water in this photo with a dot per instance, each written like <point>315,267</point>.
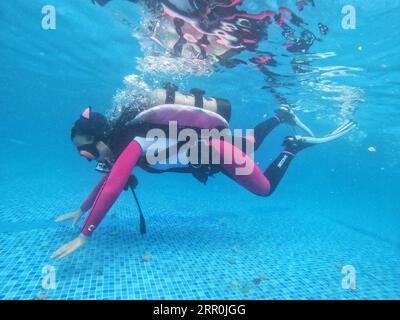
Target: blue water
<point>338,204</point>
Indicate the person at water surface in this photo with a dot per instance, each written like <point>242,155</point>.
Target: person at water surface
<point>217,30</point>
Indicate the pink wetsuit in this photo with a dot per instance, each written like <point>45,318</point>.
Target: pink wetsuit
<point>111,185</point>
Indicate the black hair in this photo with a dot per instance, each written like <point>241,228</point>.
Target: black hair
<point>116,134</point>
<point>96,126</point>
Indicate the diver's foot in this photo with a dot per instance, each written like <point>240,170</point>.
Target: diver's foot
<point>294,144</point>
<point>286,115</point>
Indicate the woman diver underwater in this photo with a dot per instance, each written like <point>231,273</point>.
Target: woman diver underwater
<point>123,144</point>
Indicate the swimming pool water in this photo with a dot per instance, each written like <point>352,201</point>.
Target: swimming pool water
<point>337,206</point>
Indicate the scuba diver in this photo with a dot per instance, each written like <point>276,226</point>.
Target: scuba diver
<point>123,144</point>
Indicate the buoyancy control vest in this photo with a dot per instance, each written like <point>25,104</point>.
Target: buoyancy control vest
<point>192,111</point>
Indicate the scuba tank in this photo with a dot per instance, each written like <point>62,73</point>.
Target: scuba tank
<point>196,98</point>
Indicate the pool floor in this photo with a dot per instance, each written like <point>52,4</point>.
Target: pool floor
<point>194,249</point>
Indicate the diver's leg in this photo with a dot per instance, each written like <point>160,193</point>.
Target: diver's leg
<point>294,145</point>
<point>262,130</point>
<point>278,168</point>
<point>243,170</point>
<point>240,167</point>
<point>282,115</point>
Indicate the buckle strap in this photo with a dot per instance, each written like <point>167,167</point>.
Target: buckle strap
<point>170,89</point>
<point>198,97</point>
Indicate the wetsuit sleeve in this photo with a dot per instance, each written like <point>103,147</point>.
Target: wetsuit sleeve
<point>90,200</point>
<point>112,187</point>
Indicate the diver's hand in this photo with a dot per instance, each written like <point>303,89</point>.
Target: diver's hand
<point>70,247</point>
<point>74,216</point>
